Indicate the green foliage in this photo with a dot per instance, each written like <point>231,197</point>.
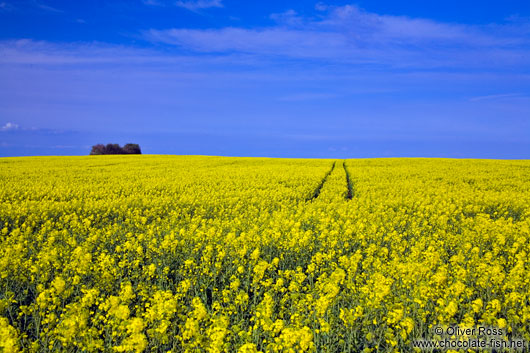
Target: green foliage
<point>114,148</point>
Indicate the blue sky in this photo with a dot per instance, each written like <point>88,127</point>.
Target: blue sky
<point>273,78</point>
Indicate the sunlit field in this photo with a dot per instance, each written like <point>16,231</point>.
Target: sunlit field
<point>218,254</point>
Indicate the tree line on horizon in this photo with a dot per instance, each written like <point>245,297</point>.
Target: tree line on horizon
<point>114,148</point>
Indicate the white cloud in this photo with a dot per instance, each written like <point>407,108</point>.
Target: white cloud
<point>338,34</point>
<point>9,127</point>
<point>321,6</point>
<point>496,97</point>
<point>24,51</point>
<point>45,7</point>
<point>272,41</point>
<point>194,5</point>
<point>299,97</point>
<point>350,34</point>
<point>152,2</point>
<point>4,6</point>
<point>288,18</point>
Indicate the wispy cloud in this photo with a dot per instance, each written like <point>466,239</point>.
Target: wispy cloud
<point>367,27</point>
<point>46,7</point>
<point>348,33</point>
<point>4,6</point>
<point>341,73</point>
<point>194,5</point>
<point>270,41</point>
<point>9,127</point>
<point>26,51</point>
<point>152,2</point>
<point>496,97</point>
<point>289,18</point>
<point>300,97</point>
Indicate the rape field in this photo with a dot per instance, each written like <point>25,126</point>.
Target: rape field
<point>217,254</point>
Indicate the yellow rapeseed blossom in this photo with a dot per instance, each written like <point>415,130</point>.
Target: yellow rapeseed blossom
<point>218,254</point>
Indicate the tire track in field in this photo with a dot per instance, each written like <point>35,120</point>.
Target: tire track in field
<point>349,183</point>
<point>322,182</point>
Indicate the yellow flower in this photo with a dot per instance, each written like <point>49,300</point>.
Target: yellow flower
<point>477,305</point>
<point>8,337</point>
<point>59,284</point>
<point>248,348</point>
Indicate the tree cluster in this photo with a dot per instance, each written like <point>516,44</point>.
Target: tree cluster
<point>114,148</point>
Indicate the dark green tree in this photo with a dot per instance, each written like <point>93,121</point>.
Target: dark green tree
<point>114,148</point>
<point>132,148</point>
<point>97,149</point>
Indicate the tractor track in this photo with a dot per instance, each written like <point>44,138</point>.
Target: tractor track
<point>349,183</point>
<point>322,182</point>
